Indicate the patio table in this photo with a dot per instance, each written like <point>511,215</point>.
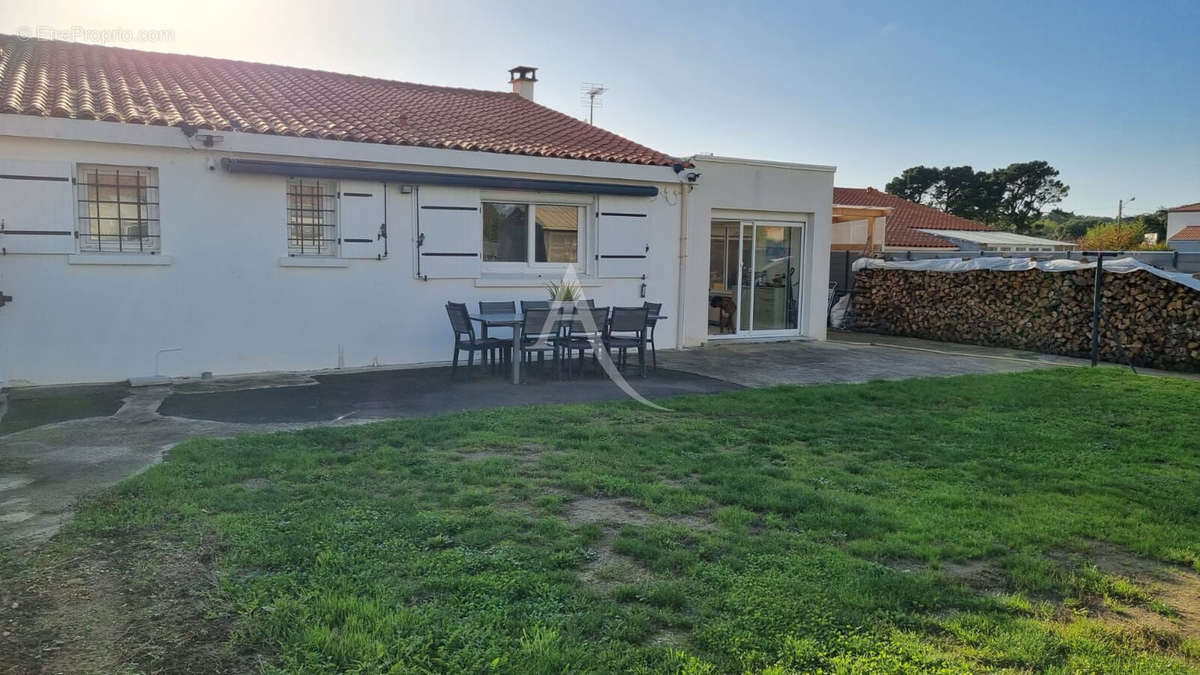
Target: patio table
<point>516,321</point>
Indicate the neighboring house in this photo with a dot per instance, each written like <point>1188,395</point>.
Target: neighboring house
<point>1183,228</point>
<point>213,215</point>
<point>908,225</point>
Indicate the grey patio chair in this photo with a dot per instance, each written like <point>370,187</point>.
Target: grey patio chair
<point>627,330</point>
<point>652,310</point>
<point>540,328</point>
<point>502,307</point>
<point>527,305</point>
<point>579,336</point>
<point>465,338</point>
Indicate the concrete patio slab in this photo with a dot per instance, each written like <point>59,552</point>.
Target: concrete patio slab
<point>419,392</point>
<point>765,364</point>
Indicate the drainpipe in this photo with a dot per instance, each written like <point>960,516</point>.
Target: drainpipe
<point>684,189</point>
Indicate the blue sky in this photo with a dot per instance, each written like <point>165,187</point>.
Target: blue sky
<point>1108,92</point>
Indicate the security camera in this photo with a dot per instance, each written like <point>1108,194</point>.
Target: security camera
<point>693,176</point>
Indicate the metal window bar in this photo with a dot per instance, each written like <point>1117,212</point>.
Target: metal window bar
<point>312,220</point>
<point>142,226</point>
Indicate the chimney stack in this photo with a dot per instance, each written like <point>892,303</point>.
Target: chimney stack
<point>522,79</point>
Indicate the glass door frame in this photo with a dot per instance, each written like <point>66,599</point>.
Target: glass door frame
<point>752,226</point>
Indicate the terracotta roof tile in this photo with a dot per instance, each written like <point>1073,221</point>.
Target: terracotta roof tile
<point>907,218</point>
<point>1185,207</point>
<point>1189,233</point>
<point>72,80</point>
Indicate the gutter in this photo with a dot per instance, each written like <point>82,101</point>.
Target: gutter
<point>303,170</point>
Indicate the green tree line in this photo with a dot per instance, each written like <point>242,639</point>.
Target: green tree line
<point>1018,197</point>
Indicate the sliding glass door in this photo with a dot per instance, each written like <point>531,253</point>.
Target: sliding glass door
<point>775,305</point>
<point>769,297</point>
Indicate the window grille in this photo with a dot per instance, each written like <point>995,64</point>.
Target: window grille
<point>118,209</point>
<point>312,217</point>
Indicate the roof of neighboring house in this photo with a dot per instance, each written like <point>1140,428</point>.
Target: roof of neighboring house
<point>907,219</point>
<point>1185,207</point>
<point>1189,233</point>
<point>50,78</point>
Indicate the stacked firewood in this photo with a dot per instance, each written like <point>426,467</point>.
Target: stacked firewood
<point>1148,320</point>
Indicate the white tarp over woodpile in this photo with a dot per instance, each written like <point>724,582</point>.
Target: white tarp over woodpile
<point>997,264</point>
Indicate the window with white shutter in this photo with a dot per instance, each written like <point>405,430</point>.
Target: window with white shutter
<point>363,219</point>
<point>623,236</point>
<point>448,232</point>
<point>312,223</point>
<point>36,213</point>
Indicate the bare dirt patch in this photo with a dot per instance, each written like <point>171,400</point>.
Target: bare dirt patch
<point>608,569</point>
<point>669,637</point>
<point>980,575</point>
<point>126,604</point>
<point>610,511</point>
<point>1175,588</point>
<point>255,484</point>
<point>527,453</point>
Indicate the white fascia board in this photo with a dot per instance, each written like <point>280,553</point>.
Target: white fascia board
<point>29,126</point>
<point>918,249</point>
<point>762,162</point>
<point>995,237</point>
<point>889,209</point>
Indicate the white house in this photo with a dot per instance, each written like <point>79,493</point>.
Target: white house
<point>214,215</point>
<point>1183,228</point>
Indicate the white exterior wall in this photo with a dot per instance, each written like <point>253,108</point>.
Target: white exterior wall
<point>763,190</point>
<point>1178,220</point>
<point>225,299</point>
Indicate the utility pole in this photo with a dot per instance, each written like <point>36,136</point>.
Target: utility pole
<point>1121,207</point>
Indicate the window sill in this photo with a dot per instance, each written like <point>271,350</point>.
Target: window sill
<point>300,261</point>
<point>133,259</point>
<point>528,281</point>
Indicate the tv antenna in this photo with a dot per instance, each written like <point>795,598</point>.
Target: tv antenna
<point>591,92</point>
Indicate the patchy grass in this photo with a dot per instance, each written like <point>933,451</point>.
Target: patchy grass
<point>1040,521</point>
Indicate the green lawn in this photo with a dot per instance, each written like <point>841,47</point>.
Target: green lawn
<point>974,523</point>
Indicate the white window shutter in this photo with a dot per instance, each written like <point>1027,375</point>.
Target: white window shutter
<point>37,212</point>
<point>449,232</point>
<point>363,219</point>
<point>623,236</point>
